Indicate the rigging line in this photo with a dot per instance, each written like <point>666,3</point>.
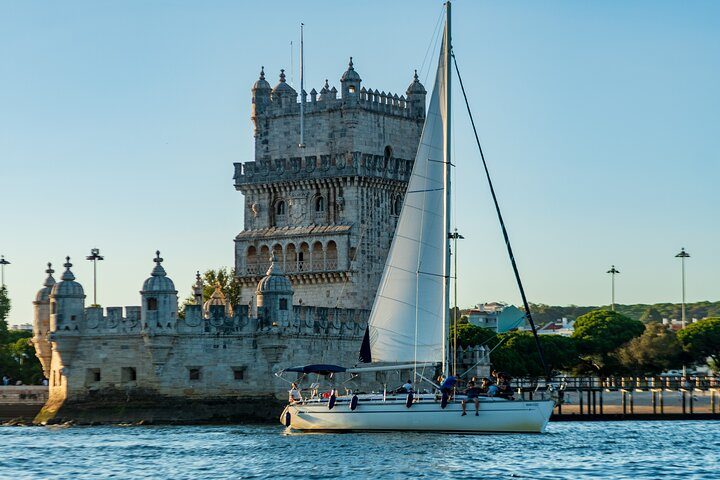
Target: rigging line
<point>502,226</point>
<point>437,37</point>
<point>433,37</point>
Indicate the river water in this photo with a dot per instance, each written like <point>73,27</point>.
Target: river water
<point>687,449</point>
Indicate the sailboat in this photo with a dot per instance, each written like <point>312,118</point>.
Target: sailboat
<point>409,320</point>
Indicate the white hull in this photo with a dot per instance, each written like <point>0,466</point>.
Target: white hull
<point>372,413</point>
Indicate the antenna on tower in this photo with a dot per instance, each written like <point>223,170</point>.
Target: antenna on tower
<point>302,91</point>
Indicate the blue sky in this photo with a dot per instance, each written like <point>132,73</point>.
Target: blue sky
<point>120,121</point>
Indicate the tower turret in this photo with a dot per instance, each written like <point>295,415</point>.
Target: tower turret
<point>350,82</point>
<point>159,301</point>
<point>274,295</point>
<point>416,97</point>
<point>283,92</point>
<point>198,289</point>
<point>67,302</point>
<point>260,100</point>
<point>217,298</point>
<point>41,322</point>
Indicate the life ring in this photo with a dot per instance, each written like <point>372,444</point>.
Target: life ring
<point>409,401</point>
<point>288,419</point>
<point>444,400</point>
<point>331,402</point>
<point>353,402</point>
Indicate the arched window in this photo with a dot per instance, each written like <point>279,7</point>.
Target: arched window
<point>152,304</point>
<point>331,256</point>
<point>388,153</point>
<point>280,207</point>
<point>397,205</point>
<point>319,204</point>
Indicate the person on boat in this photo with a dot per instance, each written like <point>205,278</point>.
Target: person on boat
<point>484,385</point>
<point>294,394</point>
<point>406,388</point>
<point>473,394</point>
<point>447,384</point>
<point>504,388</point>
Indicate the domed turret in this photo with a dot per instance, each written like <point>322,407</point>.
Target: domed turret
<point>274,295</point>
<point>283,88</point>
<point>261,84</point>
<point>158,281</point>
<point>41,322</point>
<point>43,294</point>
<point>261,91</point>
<point>67,302</point>
<point>350,81</point>
<point>416,97</point>
<point>68,287</point>
<point>159,301</point>
<point>217,298</point>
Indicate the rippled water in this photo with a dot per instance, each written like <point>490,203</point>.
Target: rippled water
<point>688,449</point>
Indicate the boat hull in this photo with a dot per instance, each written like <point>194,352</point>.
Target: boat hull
<point>494,416</point>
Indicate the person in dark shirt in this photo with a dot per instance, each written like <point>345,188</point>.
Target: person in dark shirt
<point>472,392</point>
<point>447,385</point>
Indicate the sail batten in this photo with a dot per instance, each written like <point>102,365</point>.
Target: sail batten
<point>407,317</point>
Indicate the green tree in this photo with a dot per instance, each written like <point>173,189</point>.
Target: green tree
<point>651,315</point>
<point>229,285</point>
<point>702,340</point>
<point>4,312</point>
<point>599,333</point>
<point>518,355</point>
<point>470,335</point>
<point>655,351</point>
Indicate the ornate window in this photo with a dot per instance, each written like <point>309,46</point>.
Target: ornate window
<point>319,204</point>
<point>283,304</point>
<point>152,303</point>
<point>280,207</point>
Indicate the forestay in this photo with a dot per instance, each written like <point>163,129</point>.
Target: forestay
<point>406,321</point>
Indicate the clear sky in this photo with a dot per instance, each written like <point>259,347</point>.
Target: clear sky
<point>120,122</point>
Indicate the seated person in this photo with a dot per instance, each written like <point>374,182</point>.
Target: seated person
<point>294,395</point>
<point>505,390</point>
<point>472,392</point>
<point>406,388</point>
<point>485,385</point>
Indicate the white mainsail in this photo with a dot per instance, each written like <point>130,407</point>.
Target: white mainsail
<point>406,321</point>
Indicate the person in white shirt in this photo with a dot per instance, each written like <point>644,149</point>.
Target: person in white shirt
<point>294,395</point>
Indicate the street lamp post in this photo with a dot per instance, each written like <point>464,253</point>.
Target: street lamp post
<point>94,257</point>
<point>3,262</point>
<point>682,256</point>
<point>613,271</point>
<point>455,236</point>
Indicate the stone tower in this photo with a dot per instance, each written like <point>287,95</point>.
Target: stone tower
<point>327,211</point>
<point>41,325</point>
<point>158,312</point>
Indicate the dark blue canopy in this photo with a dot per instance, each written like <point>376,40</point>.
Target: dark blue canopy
<point>322,369</point>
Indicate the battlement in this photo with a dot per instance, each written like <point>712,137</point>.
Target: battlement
<point>305,320</point>
<point>350,164</point>
<point>366,99</point>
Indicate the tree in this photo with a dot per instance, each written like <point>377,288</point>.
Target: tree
<point>655,351</point>
<point>4,312</point>
<point>702,340</point>
<point>229,285</point>
<point>651,315</point>
<point>599,333</point>
<point>470,335</point>
<point>518,355</point>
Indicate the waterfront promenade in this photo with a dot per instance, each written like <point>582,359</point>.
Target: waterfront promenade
<point>21,401</point>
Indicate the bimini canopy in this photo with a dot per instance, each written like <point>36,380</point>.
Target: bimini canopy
<point>322,369</point>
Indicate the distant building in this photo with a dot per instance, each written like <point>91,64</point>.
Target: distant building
<point>562,327</point>
<point>496,316</point>
<point>23,327</point>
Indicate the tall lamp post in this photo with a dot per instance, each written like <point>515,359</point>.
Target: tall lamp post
<point>3,262</point>
<point>455,236</point>
<point>613,271</point>
<point>94,257</point>
<point>682,256</point>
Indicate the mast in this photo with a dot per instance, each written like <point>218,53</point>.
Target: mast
<point>302,91</point>
<point>446,306</point>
